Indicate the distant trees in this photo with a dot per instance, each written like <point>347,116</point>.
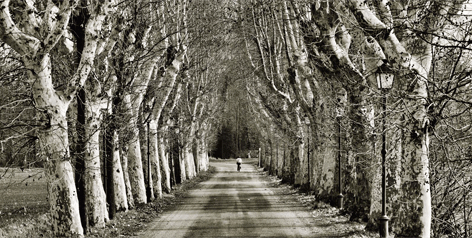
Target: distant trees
<point>17,117</point>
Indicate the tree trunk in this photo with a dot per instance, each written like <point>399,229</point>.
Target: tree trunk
<point>189,161</point>
<point>121,200</point>
<point>155,162</point>
<point>182,164</point>
<point>202,153</point>
<point>359,189</point>
<point>109,161</point>
<point>135,170</point>
<point>54,141</point>
<point>147,152</point>
<point>79,159</point>
<point>166,179</point>
<point>413,209</point>
<point>114,151</point>
<point>95,194</point>
<point>124,165</point>
<point>195,155</point>
<point>135,164</point>
<point>61,186</point>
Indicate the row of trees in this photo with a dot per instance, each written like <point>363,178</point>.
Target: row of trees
<point>239,135</point>
<point>90,81</point>
<point>116,98</point>
<point>313,84</point>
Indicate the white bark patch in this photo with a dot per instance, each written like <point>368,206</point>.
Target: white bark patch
<point>124,164</point>
<point>189,162</point>
<point>164,163</point>
<point>154,157</point>
<point>63,195</point>
<point>423,178</point>
<point>182,161</point>
<point>135,171</point>
<point>121,201</point>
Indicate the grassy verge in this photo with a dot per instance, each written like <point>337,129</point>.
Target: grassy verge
<point>125,224</point>
<point>23,195</point>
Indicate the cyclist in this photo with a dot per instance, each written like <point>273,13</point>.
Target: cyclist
<point>239,161</point>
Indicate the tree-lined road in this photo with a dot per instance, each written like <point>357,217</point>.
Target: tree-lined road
<point>235,204</point>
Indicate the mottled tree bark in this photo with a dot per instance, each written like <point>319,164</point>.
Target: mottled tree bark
<point>121,200</point>
<point>164,161</point>
<point>155,159</point>
<point>95,194</point>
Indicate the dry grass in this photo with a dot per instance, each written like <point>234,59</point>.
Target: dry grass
<point>24,211</point>
<point>24,195</point>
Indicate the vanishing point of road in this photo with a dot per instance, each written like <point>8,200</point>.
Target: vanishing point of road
<point>234,204</point>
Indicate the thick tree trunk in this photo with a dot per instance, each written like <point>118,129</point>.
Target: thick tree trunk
<point>135,164</point>
<point>359,189</point>
<point>166,178</point>
<point>35,54</point>
<point>301,177</point>
<point>79,159</point>
<point>286,176</point>
<point>95,194</point>
<point>124,165</point>
<point>413,208</point>
<point>135,170</point>
<point>108,161</point>
<point>147,152</point>
<point>195,155</point>
<point>189,161</point>
<point>202,153</point>
<point>182,166</point>
<point>121,200</point>
<point>54,141</point>
<point>157,115</point>
<point>323,143</point>
<point>62,194</point>
<point>155,161</point>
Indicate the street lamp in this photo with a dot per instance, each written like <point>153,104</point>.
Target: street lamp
<point>339,114</point>
<point>307,122</point>
<point>147,110</point>
<point>384,75</point>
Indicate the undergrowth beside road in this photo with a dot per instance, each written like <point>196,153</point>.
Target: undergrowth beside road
<point>328,219</point>
<point>125,224</point>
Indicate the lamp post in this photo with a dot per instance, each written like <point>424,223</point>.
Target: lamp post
<point>339,114</point>
<point>147,111</point>
<point>384,77</point>
<point>307,122</point>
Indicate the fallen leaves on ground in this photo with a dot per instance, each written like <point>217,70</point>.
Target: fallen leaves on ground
<point>327,219</point>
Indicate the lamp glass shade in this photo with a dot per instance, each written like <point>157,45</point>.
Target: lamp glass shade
<point>384,80</point>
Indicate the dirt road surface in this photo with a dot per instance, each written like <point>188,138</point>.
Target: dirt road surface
<point>234,204</point>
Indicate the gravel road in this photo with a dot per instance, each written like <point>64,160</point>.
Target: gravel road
<point>234,204</point>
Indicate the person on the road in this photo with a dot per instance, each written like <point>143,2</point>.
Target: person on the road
<point>239,161</point>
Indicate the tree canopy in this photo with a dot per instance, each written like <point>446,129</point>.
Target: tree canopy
<point>120,100</point>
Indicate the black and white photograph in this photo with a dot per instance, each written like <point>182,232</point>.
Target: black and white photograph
<point>236,118</point>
